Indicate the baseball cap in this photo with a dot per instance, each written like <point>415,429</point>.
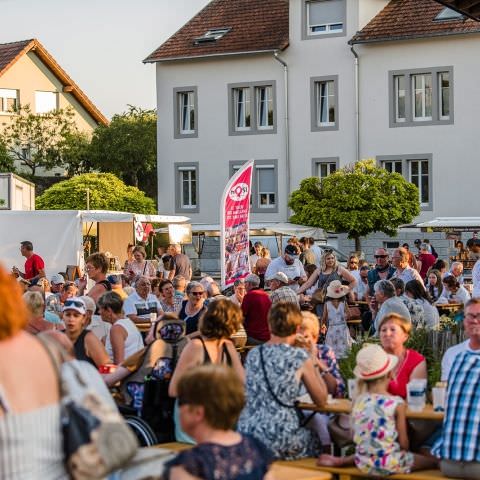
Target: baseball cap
<point>291,250</point>
<point>280,276</point>
<point>417,241</point>
<point>75,303</point>
<point>57,279</point>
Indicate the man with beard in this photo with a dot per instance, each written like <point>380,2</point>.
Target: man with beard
<point>290,265</point>
<point>383,269</point>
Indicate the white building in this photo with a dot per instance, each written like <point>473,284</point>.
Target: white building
<point>224,81</point>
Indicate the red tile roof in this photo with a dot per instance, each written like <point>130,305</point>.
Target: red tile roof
<point>406,19</point>
<point>256,25</point>
<point>11,52</point>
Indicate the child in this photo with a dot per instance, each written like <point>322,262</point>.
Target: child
<point>379,421</point>
<point>335,312</point>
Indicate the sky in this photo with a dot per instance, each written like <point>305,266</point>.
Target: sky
<point>101,43</point>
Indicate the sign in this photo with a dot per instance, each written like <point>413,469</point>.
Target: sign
<point>138,229</point>
<point>235,226</point>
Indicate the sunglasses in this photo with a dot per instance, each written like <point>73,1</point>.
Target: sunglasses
<point>380,256</point>
<point>197,294</point>
<point>353,262</point>
<point>327,250</point>
<point>74,303</point>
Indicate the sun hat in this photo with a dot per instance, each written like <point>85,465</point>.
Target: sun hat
<point>57,279</point>
<point>75,303</point>
<point>280,276</point>
<point>373,362</point>
<point>336,289</point>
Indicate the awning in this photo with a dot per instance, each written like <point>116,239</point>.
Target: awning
<point>109,216</point>
<point>459,224</point>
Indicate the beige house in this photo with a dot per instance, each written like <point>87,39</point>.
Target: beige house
<point>30,75</point>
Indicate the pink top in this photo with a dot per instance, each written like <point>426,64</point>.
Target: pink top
<point>398,385</point>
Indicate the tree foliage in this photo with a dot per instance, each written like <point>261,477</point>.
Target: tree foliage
<point>38,140</point>
<point>359,199</point>
<point>106,191</point>
<point>6,161</point>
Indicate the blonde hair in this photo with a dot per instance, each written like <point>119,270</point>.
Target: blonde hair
<point>402,322</point>
<point>34,302</point>
<point>323,262</point>
<point>284,318</point>
<point>310,322</point>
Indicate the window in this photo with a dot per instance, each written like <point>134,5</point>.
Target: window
<point>322,167</point>
<point>252,108</point>
<point>417,169</point>
<point>186,187</point>
<point>449,14</point>
<point>323,18</point>
<point>211,36</point>
<point>8,100</point>
<point>45,102</point>
<point>421,97</point>
<point>324,103</point>
<point>185,112</point>
<point>264,196</point>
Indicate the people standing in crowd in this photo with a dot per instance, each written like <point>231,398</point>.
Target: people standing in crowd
<point>353,265</point>
<point>179,284</point>
<point>458,445</point>
<point>361,288</point>
<point>402,269</point>
<point>290,265</point>
<point>182,265</point>
<point>281,292</point>
<point>431,248</point>
<point>139,266</point>
<point>425,261</point>
<point>239,292</point>
<point>94,322</point>
<point>456,270</point>
<point>34,264</point>
<point>383,270</point>
<point>412,261</point>
<point>417,293</point>
<point>257,248</point>
<point>262,264</point>
<point>129,259</point>
<point>275,372</point>
<point>193,308</point>
<point>255,306</point>
<point>308,255</point>
<point>161,272</point>
<point>434,284</point>
<point>96,267</point>
<point>453,292</point>
<point>139,305</point>
<point>211,398</point>
<point>169,302</point>
<point>36,307</point>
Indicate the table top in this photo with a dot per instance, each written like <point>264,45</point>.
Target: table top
<point>344,405</point>
<point>285,472</point>
<point>450,306</point>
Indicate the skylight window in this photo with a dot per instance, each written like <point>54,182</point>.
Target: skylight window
<point>211,35</point>
<point>449,14</point>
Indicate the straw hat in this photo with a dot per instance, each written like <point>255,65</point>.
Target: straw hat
<point>336,289</point>
<point>373,362</point>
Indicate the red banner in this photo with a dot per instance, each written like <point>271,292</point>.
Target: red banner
<point>235,225</point>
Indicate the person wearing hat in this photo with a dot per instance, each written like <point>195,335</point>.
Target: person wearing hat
<point>290,265</point>
<point>379,421</point>
<point>281,292</point>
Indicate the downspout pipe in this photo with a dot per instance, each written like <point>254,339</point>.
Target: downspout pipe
<point>287,127</point>
<point>357,103</point>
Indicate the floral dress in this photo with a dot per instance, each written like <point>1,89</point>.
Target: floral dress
<point>276,426</point>
<point>338,335</point>
<point>377,450</point>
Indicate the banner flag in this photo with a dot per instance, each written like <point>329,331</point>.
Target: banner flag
<point>235,226</point>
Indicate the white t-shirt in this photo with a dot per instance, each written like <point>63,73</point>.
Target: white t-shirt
<point>450,355</point>
<point>133,342</point>
<point>291,271</point>
<point>136,305</point>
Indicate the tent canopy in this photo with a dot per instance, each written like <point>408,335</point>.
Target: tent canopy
<point>452,223</point>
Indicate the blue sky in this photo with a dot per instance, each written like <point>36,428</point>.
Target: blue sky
<point>101,43</point>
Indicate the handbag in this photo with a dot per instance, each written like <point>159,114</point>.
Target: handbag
<point>96,439</point>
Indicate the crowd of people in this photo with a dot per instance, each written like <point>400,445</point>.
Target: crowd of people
<point>241,411</point>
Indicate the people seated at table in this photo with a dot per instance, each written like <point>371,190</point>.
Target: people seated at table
<point>441,266</point>
<point>255,307</point>
<point>169,301</point>
<point>274,374</point>
<point>378,420</point>
<point>417,293</point>
<point>453,292</point>
<point>193,307</point>
<point>394,331</point>
<point>434,284</point>
<point>281,292</point>
<point>383,270</point>
<point>211,398</point>
<point>142,303</point>
<point>458,447</point>
<point>403,270</point>
<point>36,322</point>
<point>415,310</point>
<point>94,322</point>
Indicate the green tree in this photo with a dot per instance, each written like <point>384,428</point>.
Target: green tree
<point>6,161</point>
<point>106,192</point>
<point>127,147</point>
<point>359,199</point>
<point>38,140</point>
<point>76,153</point>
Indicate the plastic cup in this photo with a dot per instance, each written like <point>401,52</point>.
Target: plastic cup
<point>352,386</point>
<point>416,394</point>
<point>438,398</point>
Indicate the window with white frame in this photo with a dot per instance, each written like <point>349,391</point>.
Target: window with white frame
<point>421,97</point>
<point>45,102</point>
<point>324,103</point>
<point>393,166</point>
<point>266,186</point>
<point>419,175</point>
<point>241,101</point>
<point>185,112</point>
<point>8,100</point>
<point>324,18</point>
<point>324,167</point>
<point>264,98</point>
<point>188,187</point>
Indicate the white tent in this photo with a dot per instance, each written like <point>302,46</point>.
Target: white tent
<point>466,224</point>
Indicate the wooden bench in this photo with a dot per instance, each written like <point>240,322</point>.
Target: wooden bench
<point>353,473</point>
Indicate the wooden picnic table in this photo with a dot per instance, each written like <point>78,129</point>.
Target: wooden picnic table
<point>344,405</point>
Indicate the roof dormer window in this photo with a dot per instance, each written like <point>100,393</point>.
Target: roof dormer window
<point>449,14</point>
<point>211,36</point>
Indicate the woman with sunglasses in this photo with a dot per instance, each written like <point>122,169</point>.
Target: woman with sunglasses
<point>193,307</point>
<point>86,345</point>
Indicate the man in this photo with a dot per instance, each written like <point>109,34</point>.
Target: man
<point>425,260</point>
<point>281,292</point>
<point>140,304</point>
<point>179,284</point>
<point>181,262</point>
<point>56,283</point>
<point>257,246</point>
<point>34,264</point>
<point>214,293</point>
<point>290,265</point>
<point>255,306</point>
<point>52,300</point>
<point>402,269</point>
<point>431,248</point>
<point>382,271</point>
<point>386,302</point>
<point>458,446</point>
<point>473,245</point>
<point>456,270</point>
<point>361,288</point>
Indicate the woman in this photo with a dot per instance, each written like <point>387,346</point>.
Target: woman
<point>124,338</point>
<point>261,264</point>
<point>394,331</point>
<point>139,266</point>
<point>211,398</point>
<point>462,252</point>
<point>193,307</point>
<point>239,292</point>
<point>69,290</point>
<point>434,284</point>
<point>36,307</point>
<point>129,255</point>
<point>441,266</point>
<point>276,372</point>
<point>169,301</point>
<point>220,321</point>
<point>453,292</point>
<point>86,345</point>
<point>415,290</point>
<point>30,427</point>
<point>96,268</point>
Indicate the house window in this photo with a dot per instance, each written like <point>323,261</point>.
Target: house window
<point>323,167</point>
<point>185,112</point>
<point>421,97</point>
<point>420,177</point>
<point>186,187</point>
<point>322,18</point>
<point>393,166</point>
<point>45,102</point>
<point>8,100</point>
<point>324,103</point>
<point>252,108</point>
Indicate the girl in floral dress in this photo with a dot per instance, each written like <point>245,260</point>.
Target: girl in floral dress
<point>379,421</point>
